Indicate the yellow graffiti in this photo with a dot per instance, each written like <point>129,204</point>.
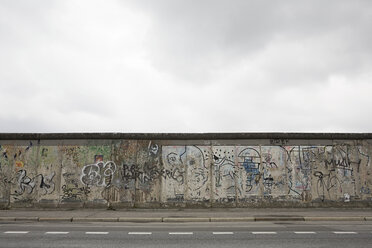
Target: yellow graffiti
<point>19,164</point>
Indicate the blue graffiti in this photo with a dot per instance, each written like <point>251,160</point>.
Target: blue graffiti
<point>250,166</point>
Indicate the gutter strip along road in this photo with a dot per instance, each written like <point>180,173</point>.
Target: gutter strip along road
<point>184,233</point>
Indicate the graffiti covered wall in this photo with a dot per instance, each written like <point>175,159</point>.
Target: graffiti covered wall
<point>185,173</point>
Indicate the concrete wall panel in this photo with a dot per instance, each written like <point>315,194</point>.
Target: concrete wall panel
<point>186,173</point>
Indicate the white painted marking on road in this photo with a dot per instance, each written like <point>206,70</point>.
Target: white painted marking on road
<point>181,233</point>
<point>264,233</point>
<point>17,232</point>
<point>344,232</point>
<point>96,232</point>
<point>305,232</point>
<point>140,233</point>
<point>223,233</point>
<point>56,233</point>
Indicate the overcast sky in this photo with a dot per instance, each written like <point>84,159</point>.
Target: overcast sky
<point>186,66</point>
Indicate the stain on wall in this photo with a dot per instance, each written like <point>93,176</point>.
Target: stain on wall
<point>150,173</point>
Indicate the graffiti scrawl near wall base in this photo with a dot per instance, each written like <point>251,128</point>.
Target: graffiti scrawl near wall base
<point>327,182</point>
<point>72,192</point>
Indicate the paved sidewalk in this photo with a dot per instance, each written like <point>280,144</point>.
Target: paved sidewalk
<point>188,215</point>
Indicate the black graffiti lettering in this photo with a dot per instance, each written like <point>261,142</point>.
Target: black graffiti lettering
<point>150,173</point>
<point>325,183</point>
<point>73,192</point>
<point>27,184</point>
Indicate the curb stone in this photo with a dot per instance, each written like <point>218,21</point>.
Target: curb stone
<point>55,219</point>
<point>95,219</point>
<point>279,218</point>
<point>335,218</point>
<point>186,219</point>
<point>7,219</point>
<point>133,219</point>
<point>26,218</point>
<point>233,219</point>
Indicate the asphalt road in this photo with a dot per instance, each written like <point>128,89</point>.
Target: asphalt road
<point>245,234</point>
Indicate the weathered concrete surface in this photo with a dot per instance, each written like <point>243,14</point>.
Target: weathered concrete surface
<point>185,170</point>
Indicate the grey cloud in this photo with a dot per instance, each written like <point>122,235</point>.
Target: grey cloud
<point>193,39</point>
<point>15,124</point>
<point>185,66</point>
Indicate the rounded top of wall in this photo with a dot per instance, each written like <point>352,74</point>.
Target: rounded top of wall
<point>183,136</point>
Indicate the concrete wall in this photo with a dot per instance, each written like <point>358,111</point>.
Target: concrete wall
<point>185,170</point>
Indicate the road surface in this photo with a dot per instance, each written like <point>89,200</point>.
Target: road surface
<point>232,234</point>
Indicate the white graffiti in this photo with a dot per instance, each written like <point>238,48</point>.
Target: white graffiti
<point>98,174</point>
<point>153,148</point>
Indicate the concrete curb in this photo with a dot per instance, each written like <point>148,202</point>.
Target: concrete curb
<point>6,219</point>
<point>189,219</point>
<point>26,218</point>
<point>335,218</point>
<point>234,219</point>
<point>186,219</point>
<point>95,219</point>
<point>55,219</point>
<point>279,218</point>
<point>129,219</point>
